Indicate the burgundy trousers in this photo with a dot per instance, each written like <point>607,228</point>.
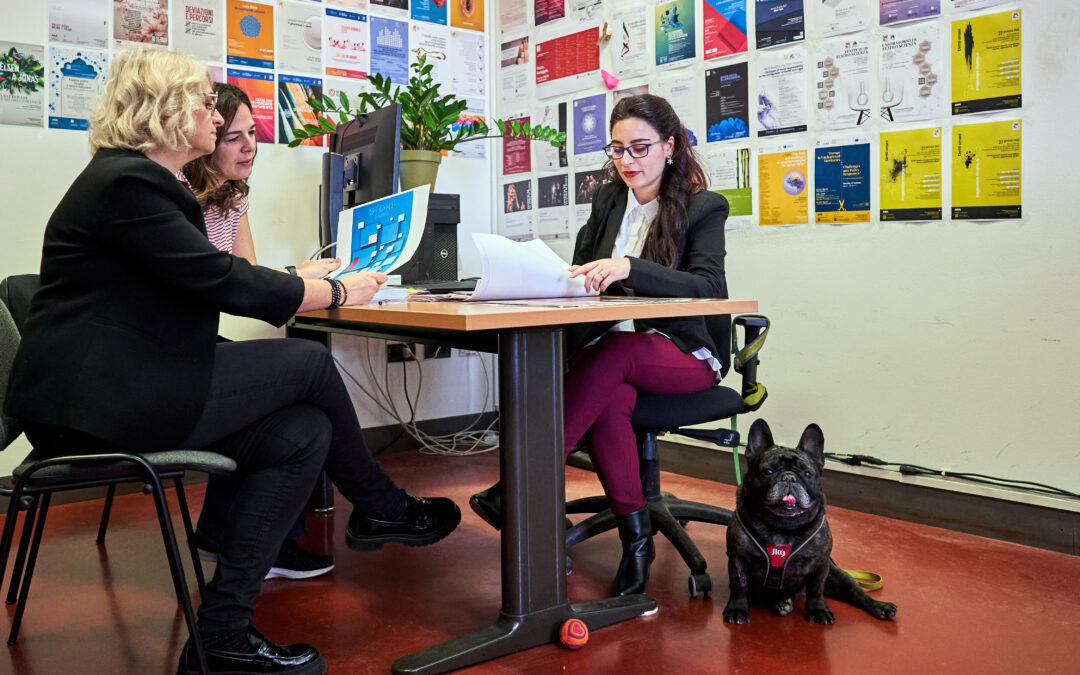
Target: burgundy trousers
<point>599,394</point>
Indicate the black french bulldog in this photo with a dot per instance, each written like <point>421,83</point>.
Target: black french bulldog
<point>778,541</point>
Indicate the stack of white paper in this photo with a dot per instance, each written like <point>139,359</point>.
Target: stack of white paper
<point>515,270</point>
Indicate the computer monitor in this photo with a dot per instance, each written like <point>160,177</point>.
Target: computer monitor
<point>360,165</point>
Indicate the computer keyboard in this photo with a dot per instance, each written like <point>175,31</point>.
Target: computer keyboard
<point>444,285</point>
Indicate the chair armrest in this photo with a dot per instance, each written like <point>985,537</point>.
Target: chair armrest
<point>755,330</point>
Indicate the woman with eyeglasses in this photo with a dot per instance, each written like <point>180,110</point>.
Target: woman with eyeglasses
<point>654,231</point>
<point>119,350</point>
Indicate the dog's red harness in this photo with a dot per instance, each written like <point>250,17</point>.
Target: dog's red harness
<point>777,556</point>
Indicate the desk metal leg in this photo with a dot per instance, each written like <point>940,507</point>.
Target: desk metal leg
<point>534,603</point>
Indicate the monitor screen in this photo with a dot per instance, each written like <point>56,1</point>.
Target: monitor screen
<point>361,165</point>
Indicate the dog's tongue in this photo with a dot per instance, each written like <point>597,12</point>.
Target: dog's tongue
<point>788,499</point>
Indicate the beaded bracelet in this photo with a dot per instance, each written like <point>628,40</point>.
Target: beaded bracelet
<point>336,288</point>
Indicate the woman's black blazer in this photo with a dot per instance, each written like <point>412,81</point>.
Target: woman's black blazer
<point>698,274</point>
<point>119,342</point>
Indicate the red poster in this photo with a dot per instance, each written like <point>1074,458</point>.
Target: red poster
<point>567,56</point>
<point>724,35</point>
<point>516,155</point>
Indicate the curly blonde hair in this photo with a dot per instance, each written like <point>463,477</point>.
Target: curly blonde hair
<point>149,101</point>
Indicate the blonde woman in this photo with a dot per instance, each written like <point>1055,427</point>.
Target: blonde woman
<point>119,350</point>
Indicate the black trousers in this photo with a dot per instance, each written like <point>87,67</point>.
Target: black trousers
<point>280,409</point>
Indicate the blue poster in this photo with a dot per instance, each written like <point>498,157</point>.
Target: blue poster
<point>75,77</point>
<point>590,124</point>
<point>727,103</point>
<point>390,49</point>
<point>842,184</point>
<point>429,10</point>
<point>675,31</point>
<point>778,22</point>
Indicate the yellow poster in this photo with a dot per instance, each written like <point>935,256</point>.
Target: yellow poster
<point>986,63</point>
<point>909,171</point>
<point>782,188</point>
<point>986,171</point>
<point>467,14</point>
<point>249,31</point>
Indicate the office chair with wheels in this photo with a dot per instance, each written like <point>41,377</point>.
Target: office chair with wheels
<point>33,482</point>
<point>672,413</point>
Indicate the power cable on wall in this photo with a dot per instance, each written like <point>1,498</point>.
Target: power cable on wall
<point>916,470</point>
<point>470,440</point>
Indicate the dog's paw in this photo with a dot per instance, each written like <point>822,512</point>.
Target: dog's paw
<point>821,615</point>
<point>882,610</point>
<point>736,615</point>
<point>783,607</point>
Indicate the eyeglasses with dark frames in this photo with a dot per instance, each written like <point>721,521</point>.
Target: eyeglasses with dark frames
<point>209,101</point>
<point>636,150</point>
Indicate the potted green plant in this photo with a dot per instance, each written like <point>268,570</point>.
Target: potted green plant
<point>430,123</point>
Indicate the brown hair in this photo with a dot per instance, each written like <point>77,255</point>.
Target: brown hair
<point>682,178</point>
<point>201,173</point>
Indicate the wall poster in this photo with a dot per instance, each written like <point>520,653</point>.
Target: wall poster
<point>842,181</point>
<point>986,177</point>
<point>986,63</point>
<point>22,84</point>
<point>75,78</point>
<point>782,187</point>
<point>909,174</point>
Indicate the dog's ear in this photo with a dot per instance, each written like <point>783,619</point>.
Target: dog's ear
<point>760,438</point>
<point>813,444</point>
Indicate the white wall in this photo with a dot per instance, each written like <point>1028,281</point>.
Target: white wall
<point>949,344</point>
<point>39,164</point>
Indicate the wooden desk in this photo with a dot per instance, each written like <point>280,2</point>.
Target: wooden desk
<point>529,343</point>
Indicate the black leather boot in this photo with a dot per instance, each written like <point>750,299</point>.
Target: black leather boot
<point>635,531</point>
<point>488,505</point>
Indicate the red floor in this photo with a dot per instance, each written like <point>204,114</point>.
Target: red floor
<point>967,604</point>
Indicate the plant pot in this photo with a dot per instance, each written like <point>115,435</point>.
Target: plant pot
<point>419,167</point>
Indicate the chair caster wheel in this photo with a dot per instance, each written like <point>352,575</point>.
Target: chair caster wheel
<point>700,583</point>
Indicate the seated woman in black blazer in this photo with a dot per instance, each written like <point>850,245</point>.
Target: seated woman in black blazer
<point>120,350</point>
<point>654,231</point>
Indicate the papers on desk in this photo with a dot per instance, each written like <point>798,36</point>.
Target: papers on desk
<point>382,234</point>
<point>514,270</point>
<point>388,293</point>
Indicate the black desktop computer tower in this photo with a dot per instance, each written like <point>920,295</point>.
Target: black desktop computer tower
<point>437,257</point>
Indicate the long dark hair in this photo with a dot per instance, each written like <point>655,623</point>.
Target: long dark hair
<point>201,172</point>
<point>682,178</point>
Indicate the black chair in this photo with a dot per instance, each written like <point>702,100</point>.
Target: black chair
<point>655,415</point>
<point>33,482</point>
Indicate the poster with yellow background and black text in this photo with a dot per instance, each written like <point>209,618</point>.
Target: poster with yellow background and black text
<point>910,174</point>
<point>986,176</point>
<point>986,63</point>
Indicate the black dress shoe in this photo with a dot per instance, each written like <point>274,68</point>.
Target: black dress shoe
<point>426,521</point>
<point>488,505</point>
<point>259,655</point>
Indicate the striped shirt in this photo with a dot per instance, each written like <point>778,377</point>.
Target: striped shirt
<point>221,227</point>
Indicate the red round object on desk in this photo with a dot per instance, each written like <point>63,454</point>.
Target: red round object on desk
<point>574,634</point>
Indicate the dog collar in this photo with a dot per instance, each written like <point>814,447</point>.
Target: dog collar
<point>776,555</point>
